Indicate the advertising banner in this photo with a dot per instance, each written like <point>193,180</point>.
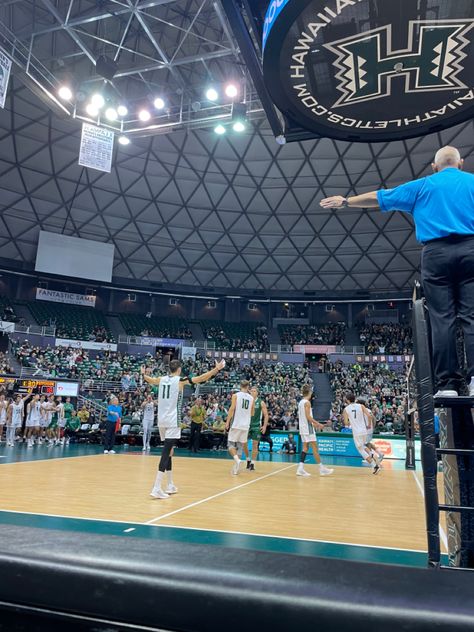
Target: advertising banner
<point>66,389</point>
<point>161,342</point>
<point>322,349</point>
<point>97,146</point>
<point>65,297</point>
<point>188,353</point>
<point>85,344</point>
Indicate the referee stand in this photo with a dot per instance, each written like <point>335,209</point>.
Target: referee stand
<point>456,449</point>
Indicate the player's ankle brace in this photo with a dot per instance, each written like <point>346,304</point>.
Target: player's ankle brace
<point>303,457</point>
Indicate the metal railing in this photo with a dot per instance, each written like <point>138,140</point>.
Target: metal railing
<point>37,330</point>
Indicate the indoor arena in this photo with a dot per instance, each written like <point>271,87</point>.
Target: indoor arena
<point>236,315</point>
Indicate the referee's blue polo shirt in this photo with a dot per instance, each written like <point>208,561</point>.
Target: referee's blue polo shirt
<point>441,204</point>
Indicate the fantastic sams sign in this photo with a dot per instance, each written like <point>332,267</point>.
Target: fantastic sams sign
<point>362,70</point>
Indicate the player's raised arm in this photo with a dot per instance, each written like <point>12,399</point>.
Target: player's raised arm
<point>366,200</point>
<point>309,417</point>
<point>265,418</point>
<point>204,377</point>
<point>230,414</point>
<point>150,380</point>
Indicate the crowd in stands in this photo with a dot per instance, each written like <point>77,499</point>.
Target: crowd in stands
<point>156,327</point>
<point>386,338</point>
<point>5,364</point>
<point>381,389</point>
<point>242,336</point>
<point>330,334</point>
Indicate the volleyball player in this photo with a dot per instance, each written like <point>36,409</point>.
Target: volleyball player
<point>169,417</point>
<point>3,414</point>
<point>370,432</point>
<point>148,408</point>
<point>256,427</point>
<point>240,413</point>
<point>307,425</point>
<point>15,417</point>
<point>44,419</point>
<point>33,419</point>
<point>61,422</point>
<point>358,418</point>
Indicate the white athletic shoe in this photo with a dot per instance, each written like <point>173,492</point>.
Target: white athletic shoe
<point>471,387</point>
<point>325,471</point>
<point>171,489</point>
<point>447,393</point>
<point>302,472</point>
<point>236,468</point>
<point>106,451</point>
<point>111,451</point>
<point>159,493</point>
<point>144,449</point>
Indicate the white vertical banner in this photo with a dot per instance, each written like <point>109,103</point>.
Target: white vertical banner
<point>5,68</point>
<point>97,145</point>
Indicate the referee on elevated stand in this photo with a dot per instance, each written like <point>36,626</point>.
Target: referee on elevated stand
<point>442,206</point>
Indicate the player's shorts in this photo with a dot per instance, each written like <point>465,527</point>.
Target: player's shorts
<point>147,423</point>
<point>255,434</point>
<point>32,423</point>
<point>370,435</point>
<point>238,435</point>
<point>53,424</point>
<point>360,441</point>
<point>62,422</point>
<point>169,433</point>
<point>43,423</point>
<point>307,438</point>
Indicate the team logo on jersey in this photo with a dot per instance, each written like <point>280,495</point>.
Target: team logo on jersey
<point>361,70</point>
<point>366,63</point>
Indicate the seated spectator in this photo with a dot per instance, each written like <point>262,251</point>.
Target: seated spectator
<point>289,446</point>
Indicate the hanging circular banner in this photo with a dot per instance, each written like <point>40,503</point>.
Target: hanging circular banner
<point>366,70</point>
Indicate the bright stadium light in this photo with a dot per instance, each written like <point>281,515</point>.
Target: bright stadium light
<point>211,94</point>
<point>159,103</point>
<point>98,101</point>
<point>111,114</point>
<point>144,115</point>
<point>231,90</point>
<point>65,93</point>
<point>92,110</point>
<point>219,129</point>
<point>124,140</point>
<point>238,126</point>
<point>122,110</point>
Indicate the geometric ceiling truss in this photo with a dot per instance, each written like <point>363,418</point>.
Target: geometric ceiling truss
<point>191,210</point>
<point>168,48</point>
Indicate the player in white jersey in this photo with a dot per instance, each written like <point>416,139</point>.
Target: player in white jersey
<point>169,417</point>
<point>307,426</point>
<point>15,417</point>
<point>33,420</point>
<point>3,414</point>
<point>370,433</point>
<point>148,408</point>
<point>240,413</point>
<point>359,419</point>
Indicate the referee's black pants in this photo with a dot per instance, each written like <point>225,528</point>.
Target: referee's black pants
<point>109,438</point>
<point>447,271</point>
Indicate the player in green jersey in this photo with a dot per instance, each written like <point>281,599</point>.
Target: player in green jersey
<point>256,427</point>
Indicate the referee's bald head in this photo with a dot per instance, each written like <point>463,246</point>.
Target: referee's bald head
<point>447,157</point>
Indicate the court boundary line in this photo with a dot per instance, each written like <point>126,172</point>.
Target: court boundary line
<point>226,491</point>
<point>52,458</point>
<point>442,532</point>
<point>170,526</point>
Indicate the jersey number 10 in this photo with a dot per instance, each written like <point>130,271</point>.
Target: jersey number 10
<point>245,404</point>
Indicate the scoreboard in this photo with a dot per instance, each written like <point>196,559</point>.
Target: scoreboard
<point>42,387</point>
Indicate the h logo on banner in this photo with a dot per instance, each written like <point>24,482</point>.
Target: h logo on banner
<point>432,60</point>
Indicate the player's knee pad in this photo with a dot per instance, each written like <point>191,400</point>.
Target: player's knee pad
<point>234,444</point>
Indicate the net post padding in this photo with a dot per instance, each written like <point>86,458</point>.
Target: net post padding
<point>425,406</point>
<point>457,431</point>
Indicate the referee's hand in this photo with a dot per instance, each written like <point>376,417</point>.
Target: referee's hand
<point>336,201</point>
